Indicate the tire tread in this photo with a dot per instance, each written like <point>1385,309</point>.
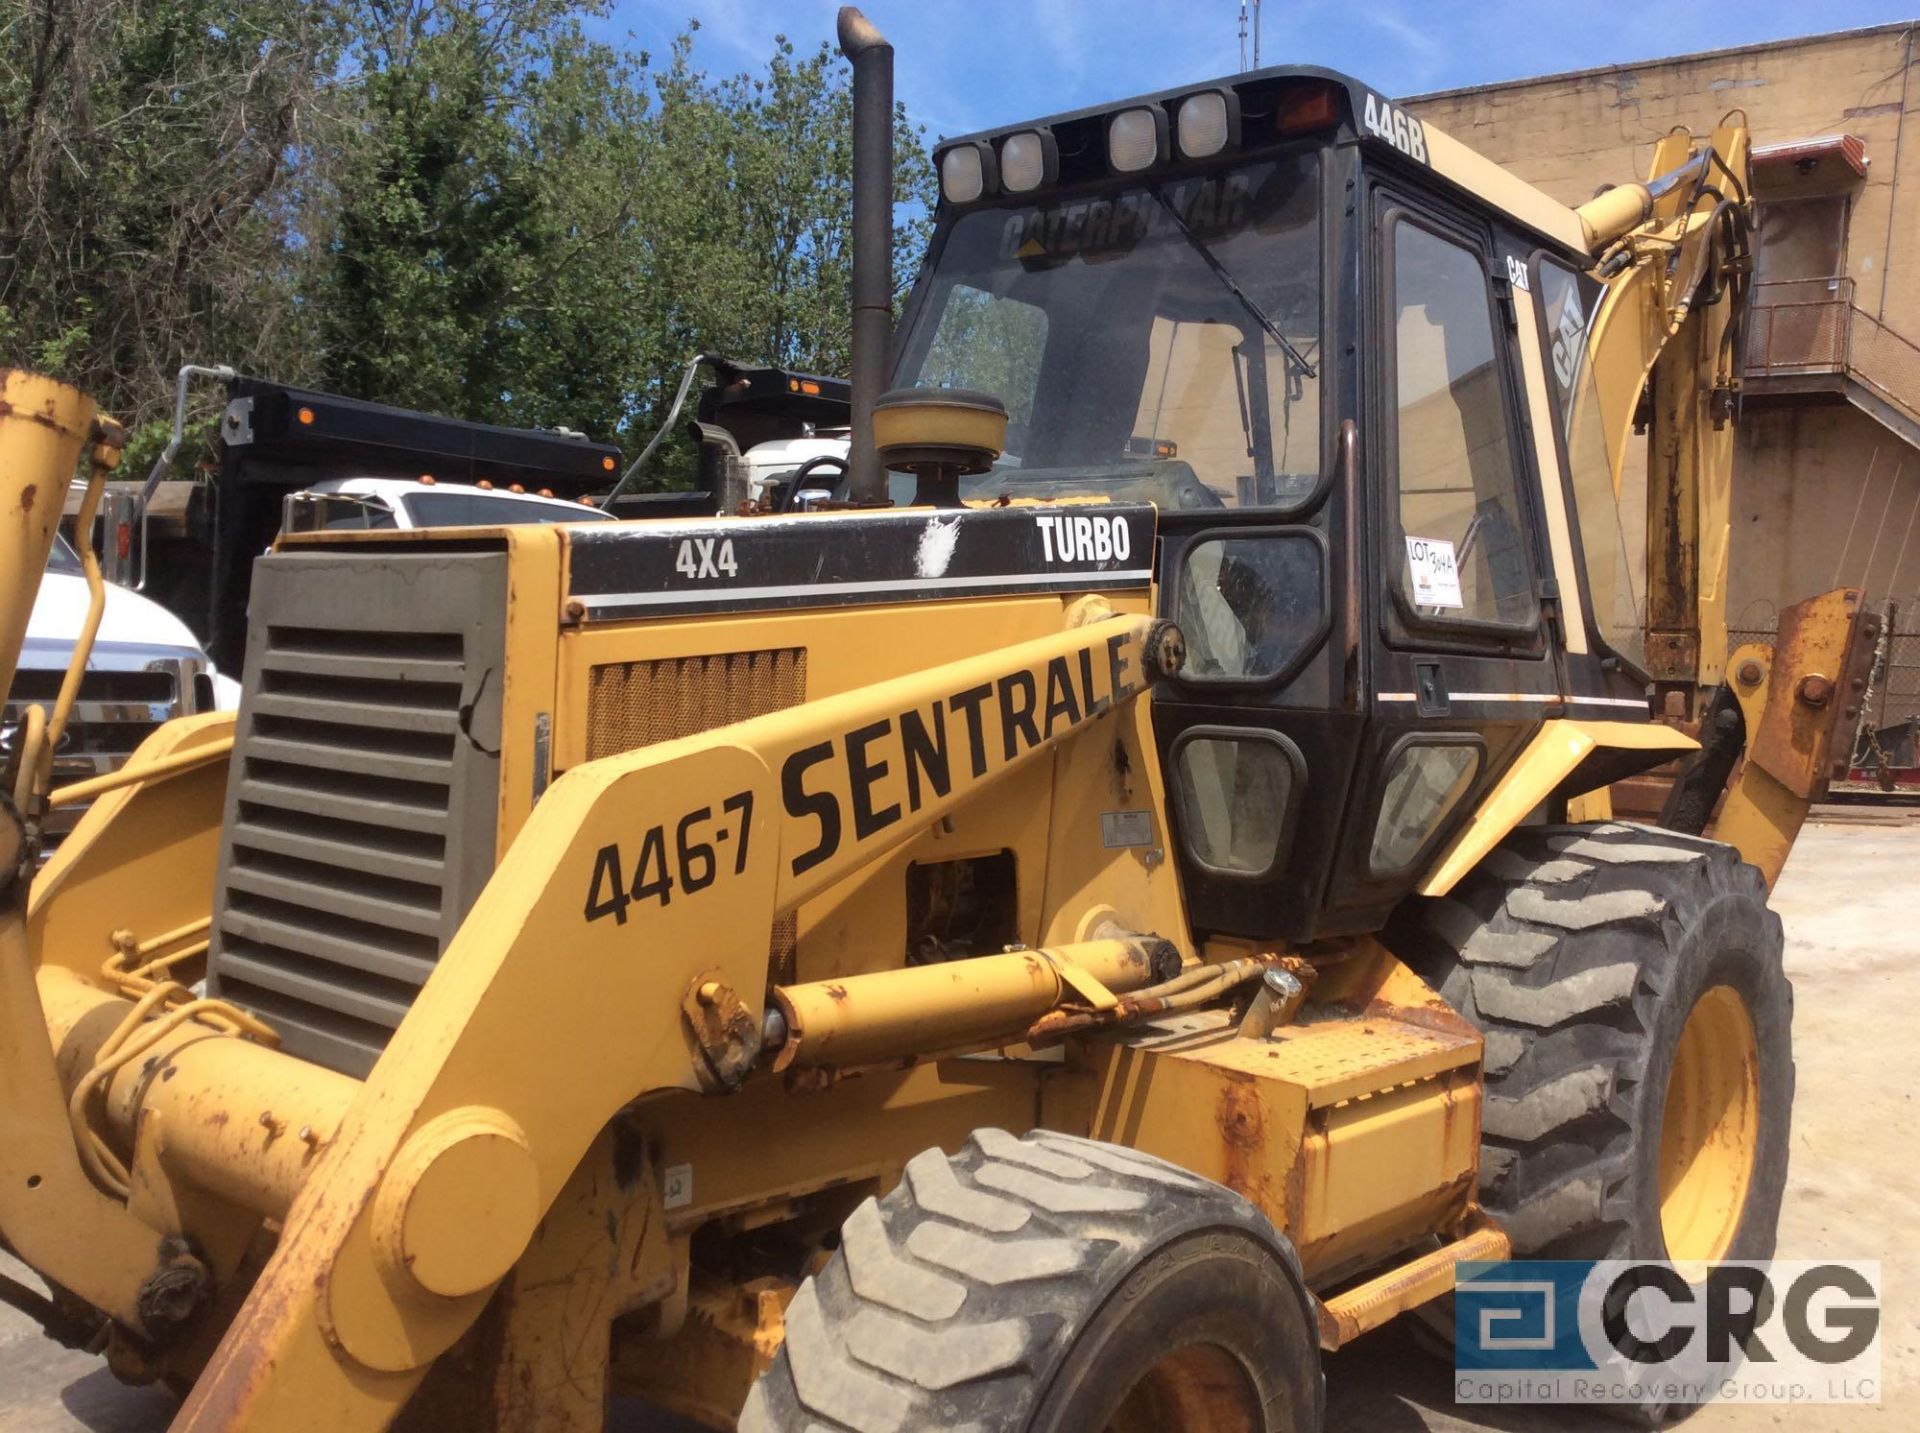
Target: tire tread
<point>952,1298</point>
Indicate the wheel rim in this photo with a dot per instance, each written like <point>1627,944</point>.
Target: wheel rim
<point>1199,1387</point>
<point>1709,1134</point>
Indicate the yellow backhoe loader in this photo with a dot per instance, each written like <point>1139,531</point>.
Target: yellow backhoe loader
<point>1119,900</point>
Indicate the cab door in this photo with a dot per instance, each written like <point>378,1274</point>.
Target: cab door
<point>1462,670</point>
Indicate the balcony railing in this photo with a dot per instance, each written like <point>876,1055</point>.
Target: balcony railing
<point>1885,361</point>
<point>1808,327</point>
<point>1799,326</point>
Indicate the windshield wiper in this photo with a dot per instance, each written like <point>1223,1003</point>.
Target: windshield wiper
<point>1294,355</point>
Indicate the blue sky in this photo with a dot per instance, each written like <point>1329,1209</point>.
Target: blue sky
<point>969,64</point>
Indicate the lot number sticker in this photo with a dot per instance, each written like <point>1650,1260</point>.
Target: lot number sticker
<point>1436,576</point>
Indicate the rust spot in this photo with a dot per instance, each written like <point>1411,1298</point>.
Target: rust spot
<point>1054,1022</point>
<point>27,495</point>
<point>217,1119</point>
<point>1434,1014</point>
<point>1449,1107</point>
<point>44,418</point>
<point>836,992</point>
<point>1241,1124</point>
<point>1822,644</point>
<point>1294,1195</point>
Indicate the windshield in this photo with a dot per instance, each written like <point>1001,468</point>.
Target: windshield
<point>482,510</point>
<point>1160,341</point>
<point>63,559</point>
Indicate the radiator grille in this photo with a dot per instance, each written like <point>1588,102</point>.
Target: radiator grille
<point>351,841</point>
<point>635,704</point>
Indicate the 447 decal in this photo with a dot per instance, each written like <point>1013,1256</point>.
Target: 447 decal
<point>688,858</point>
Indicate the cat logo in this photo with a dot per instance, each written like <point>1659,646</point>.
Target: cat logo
<point>1396,127</point>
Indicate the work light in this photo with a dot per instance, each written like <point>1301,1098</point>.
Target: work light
<point>1137,138</point>
<point>1028,160</point>
<point>966,172</point>
<point>1209,122</point>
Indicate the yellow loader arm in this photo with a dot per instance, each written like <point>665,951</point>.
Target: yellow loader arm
<point>507,1068</point>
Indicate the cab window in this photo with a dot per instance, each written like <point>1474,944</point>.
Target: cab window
<point>1463,550</point>
<point>1252,604</point>
<point>992,343</point>
<point>1615,591</point>
<point>1158,341</point>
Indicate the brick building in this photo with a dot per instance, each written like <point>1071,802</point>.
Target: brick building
<point>1827,472</point>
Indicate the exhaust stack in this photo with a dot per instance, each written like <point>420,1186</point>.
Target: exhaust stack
<point>872,59</point>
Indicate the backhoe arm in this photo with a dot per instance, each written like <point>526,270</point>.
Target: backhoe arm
<point>1665,351</point>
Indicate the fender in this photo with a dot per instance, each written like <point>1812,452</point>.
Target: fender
<point>1555,752</point>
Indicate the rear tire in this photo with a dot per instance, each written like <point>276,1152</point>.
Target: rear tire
<point>1049,1283</point>
<point>1639,1057</point>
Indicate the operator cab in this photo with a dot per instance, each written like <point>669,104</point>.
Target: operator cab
<point>1341,355</point>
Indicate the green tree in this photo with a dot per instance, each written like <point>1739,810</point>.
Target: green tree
<point>537,229</point>
<point>476,254</point>
<point>747,189</point>
<point>144,154</point>
<point>468,206</point>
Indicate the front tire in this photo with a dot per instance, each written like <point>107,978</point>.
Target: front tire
<point>1639,1059</point>
<point>1049,1283</point>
